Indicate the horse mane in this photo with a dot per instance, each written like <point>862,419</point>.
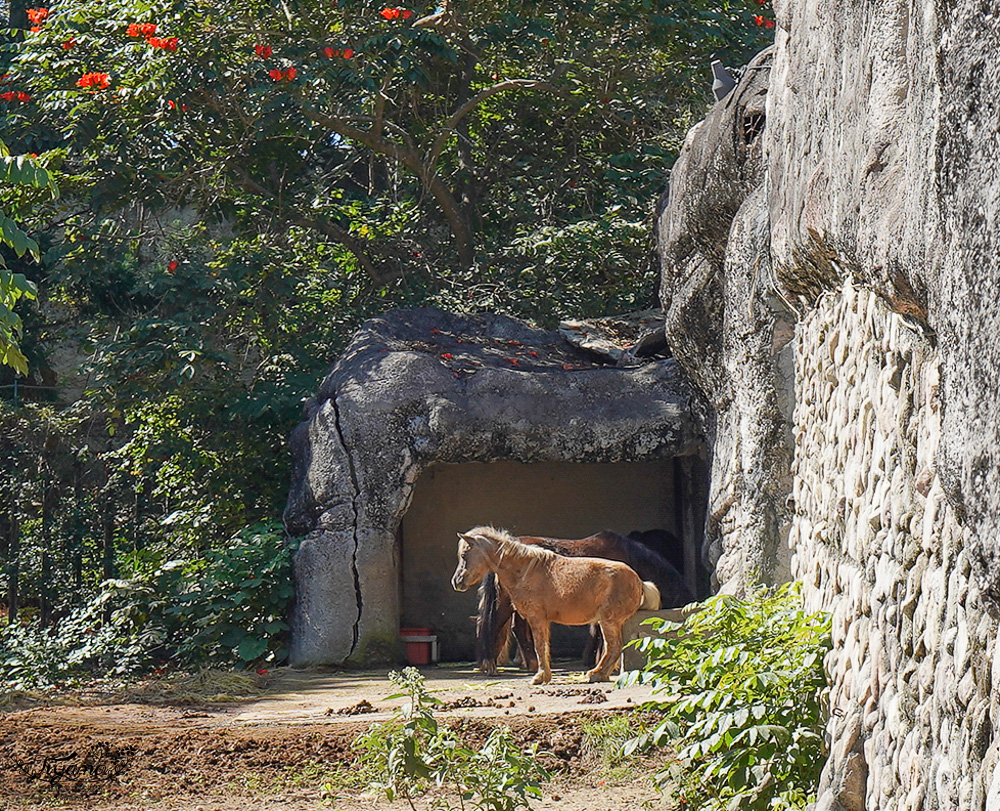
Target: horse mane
<point>510,544</point>
<point>488,622</point>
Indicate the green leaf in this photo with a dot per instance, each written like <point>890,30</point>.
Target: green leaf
<point>252,648</point>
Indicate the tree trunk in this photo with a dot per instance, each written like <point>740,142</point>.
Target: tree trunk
<point>45,587</point>
<point>13,566</point>
<point>18,17</point>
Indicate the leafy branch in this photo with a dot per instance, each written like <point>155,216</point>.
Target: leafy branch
<point>740,686</point>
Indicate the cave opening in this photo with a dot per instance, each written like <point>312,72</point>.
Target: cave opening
<point>553,499</point>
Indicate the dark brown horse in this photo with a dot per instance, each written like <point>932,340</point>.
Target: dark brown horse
<point>496,613</point>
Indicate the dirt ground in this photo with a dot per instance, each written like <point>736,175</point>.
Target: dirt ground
<point>290,746</point>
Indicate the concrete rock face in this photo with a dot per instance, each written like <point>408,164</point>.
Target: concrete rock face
<point>868,243</point>
<point>417,387</point>
<point>729,331</point>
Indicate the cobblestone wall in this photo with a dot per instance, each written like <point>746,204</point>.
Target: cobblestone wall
<point>873,539</point>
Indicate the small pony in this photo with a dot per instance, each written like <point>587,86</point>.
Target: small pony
<point>545,588</point>
<point>496,616</point>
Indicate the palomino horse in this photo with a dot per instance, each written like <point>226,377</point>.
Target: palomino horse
<point>545,587</point>
<point>496,614</point>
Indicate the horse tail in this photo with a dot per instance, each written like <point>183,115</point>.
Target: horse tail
<point>487,620</point>
<point>650,596</point>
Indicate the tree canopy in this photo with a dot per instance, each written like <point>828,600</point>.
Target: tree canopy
<point>242,183</point>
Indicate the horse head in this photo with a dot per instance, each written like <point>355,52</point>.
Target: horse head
<point>473,561</point>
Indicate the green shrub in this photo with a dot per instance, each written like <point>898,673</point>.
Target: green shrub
<point>409,754</point>
<point>741,688</point>
<point>226,607</point>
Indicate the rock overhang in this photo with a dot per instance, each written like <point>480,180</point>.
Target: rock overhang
<point>422,386</point>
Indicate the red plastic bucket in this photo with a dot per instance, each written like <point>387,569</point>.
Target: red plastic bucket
<point>418,642</point>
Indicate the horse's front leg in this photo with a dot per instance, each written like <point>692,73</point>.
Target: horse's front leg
<point>612,633</point>
<point>525,643</point>
<point>593,647</point>
<point>540,631</point>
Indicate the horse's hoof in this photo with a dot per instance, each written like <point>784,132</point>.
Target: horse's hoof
<point>593,676</point>
<point>541,678</point>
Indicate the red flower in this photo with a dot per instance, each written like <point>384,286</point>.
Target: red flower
<point>171,265</point>
<point>512,361</point>
<point>533,353</point>
<point>769,23</point>
<point>22,96</point>
<point>168,44</point>
<point>348,53</point>
<point>262,671</point>
<point>276,74</point>
<point>8,95</point>
<point>758,19</point>
<point>396,13</point>
<point>37,16</point>
<point>263,51</point>
<point>330,53</point>
<point>290,74</point>
<point>97,80</point>
<point>447,356</point>
<point>171,104</point>
<point>70,43</point>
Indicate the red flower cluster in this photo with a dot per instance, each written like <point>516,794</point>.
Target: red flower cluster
<point>36,16</point>
<point>171,265</point>
<point>15,95</point>
<point>173,105</point>
<point>347,53</point>
<point>288,74</point>
<point>263,51</point>
<point>760,19</point>
<point>396,13</point>
<point>168,44</point>
<point>147,30</point>
<point>95,80</point>
<point>70,43</point>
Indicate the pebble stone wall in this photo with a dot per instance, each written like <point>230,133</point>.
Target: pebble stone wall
<point>914,698</point>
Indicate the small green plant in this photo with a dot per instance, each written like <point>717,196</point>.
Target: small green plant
<point>411,753</point>
<point>741,688</point>
<point>604,740</point>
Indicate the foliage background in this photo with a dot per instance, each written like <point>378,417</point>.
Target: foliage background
<point>240,189</point>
